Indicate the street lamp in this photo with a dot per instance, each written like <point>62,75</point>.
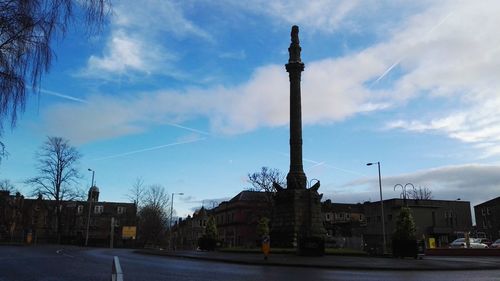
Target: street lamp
<point>90,207</point>
<point>381,203</point>
<point>171,214</point>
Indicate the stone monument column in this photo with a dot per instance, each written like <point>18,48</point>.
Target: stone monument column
<point>296,178</point>
<point>297,221</point>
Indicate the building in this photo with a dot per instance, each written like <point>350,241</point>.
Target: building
<point>443,220</point>
<point>344,223</point>
<point>186,232</point>
<point>35,220</point>
<point>237,218</point>
<point>488,218</point>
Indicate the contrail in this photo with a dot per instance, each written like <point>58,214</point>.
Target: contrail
<point>189,129</point>
<point>56,94</point>
<point>147,149</point>
<point>403,57</point>
<point>330,166</point>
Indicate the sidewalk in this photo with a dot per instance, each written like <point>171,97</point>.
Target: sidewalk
<point>340,262</point>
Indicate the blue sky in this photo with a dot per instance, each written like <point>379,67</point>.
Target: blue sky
<point>193,95</point>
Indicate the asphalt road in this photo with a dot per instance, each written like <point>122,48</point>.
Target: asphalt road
<point>52,263</point>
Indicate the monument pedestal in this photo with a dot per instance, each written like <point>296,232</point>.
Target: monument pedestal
<point>297,221</point>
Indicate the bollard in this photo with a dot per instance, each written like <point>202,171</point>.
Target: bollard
<point>116,270</point>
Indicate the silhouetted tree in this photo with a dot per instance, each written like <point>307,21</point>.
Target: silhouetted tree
<point>211,228</point>
<point>137,192</point>
<point>57,173</point>
<point>405,226</point>
<point>263,180</point>
<point>6,185</point>
<point>420,193</point>
<point>152,225</point>
<point>153,214</point>
<point>156,196</point>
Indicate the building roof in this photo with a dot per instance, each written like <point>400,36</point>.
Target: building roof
<point>341,207</point>
<point>494,200</point>
<point>248,195</point>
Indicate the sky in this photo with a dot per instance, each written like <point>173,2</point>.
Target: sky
<point>193,95</point>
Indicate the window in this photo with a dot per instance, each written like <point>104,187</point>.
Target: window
<point>120,210</point>
<point>389,217</point>
<point>445,215</point>
<point>98,209</point>
<point>328,216</point>
<point>79,209</point>
<point>488,211</point>
<point>482,212</point>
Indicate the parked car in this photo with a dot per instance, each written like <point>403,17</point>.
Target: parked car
<point>473,243</point>
<point>485,241</point>
<point>495,244</point>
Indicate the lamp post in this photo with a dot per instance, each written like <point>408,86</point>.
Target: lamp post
<point>171,214</point>
<point>90,207</point>
<point>381,204</point>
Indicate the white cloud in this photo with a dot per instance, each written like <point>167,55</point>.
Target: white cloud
<point>133,44</point>
<point>447,52</point>
<point>125,53</point>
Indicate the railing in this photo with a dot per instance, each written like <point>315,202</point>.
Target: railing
<point>116,270</point>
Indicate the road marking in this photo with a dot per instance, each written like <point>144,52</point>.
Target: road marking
<point>59,252</point>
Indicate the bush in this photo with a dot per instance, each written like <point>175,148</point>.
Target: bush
<point>206,243</point>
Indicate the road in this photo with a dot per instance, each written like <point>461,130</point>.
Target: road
<point>53,263</point>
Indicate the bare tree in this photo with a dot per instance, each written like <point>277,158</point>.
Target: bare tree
<point>154,215</point>
<point>152,225</point>
<point>27,29</point>
<point>6,185</point>
<point>265,179</point>
<point>137,192</point>
<point>157,197</point>
<point>420,193</point>
<point>57,173</point>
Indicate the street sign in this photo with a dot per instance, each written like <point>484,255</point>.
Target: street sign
<point>129,232</point>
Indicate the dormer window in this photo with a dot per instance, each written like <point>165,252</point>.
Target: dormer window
<point>120,210</point>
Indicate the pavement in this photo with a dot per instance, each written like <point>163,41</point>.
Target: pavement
<point>427,263</point>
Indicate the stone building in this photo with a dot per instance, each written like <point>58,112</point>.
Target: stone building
<point>34,220</point>
<point>344,223</point>
<point>443,220</point>
<point>488,218</point>
<point>237,218</point>
<point>186,232</point>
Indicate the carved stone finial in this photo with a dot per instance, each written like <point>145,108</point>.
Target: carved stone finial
<point>295,48</point>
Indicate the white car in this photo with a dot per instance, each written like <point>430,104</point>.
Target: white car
<point>473,243</point>
<point>495,244</point>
